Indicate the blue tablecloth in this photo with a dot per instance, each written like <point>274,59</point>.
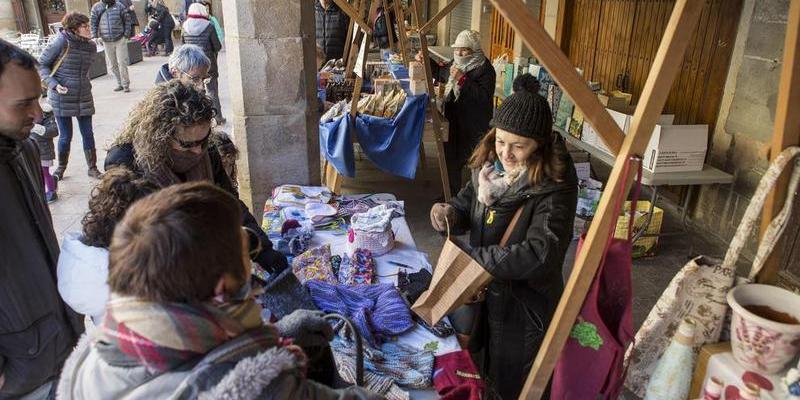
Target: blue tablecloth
<point>391,144</point>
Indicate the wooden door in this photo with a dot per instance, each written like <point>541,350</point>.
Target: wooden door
<point>20,16</point>
<point>460,19</point>
<point>615,41</point>
<point>52,11</point>
<point>502,40</point>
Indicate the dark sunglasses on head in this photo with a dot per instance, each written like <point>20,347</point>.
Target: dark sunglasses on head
<point>188,145</point>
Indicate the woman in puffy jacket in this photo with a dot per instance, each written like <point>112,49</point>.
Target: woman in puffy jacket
<point>64,67</point>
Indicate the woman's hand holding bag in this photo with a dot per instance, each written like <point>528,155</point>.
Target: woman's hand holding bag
<point>440,214</point>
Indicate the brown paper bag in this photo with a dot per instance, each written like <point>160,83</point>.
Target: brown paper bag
<point>457,279</point>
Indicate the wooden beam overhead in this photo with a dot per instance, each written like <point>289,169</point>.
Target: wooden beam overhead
<point>561,69</point>
<point>439,15</point>
<point>354,15</point>
<point>786,132</point>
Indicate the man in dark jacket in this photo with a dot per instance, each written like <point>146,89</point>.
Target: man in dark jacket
<point>161,13</point>
<point>37,330</point>
<point>332,24</point>
<point>110,22</point>
<point>132,19</point>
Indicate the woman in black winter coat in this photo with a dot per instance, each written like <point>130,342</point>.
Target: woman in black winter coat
<point>468,103</point>
<point>519,166</point>
<point>167,139</point>
<point>199,30</point>
<point>64,67</point>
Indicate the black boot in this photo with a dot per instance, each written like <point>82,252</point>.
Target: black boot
<point>63,158</point>
<point>91,162</point>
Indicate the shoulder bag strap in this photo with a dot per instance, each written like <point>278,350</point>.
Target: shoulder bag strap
<point>61,58</point>
<point>753,212</point>
<point>511,226</point>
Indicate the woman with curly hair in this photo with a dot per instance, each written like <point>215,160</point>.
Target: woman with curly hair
<point>83,263</point>
<point>168,139</point>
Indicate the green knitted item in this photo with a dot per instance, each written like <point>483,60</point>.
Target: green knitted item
<point>586,335</point>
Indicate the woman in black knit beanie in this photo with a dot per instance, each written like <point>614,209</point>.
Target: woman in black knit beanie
<point>520,164</point>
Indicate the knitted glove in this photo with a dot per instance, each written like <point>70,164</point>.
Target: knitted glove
<point>38,129</point>
<point>438,213</point>
<point>307,328</point>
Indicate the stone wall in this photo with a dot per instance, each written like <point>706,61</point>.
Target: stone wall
<point>744,128</point>
<point>7,21</point>
<point>271,72</point>
<point>81,6</point>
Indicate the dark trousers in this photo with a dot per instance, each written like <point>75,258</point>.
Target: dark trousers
<point>65,133</point>
<point>213,92</point>
<point>167,34</point>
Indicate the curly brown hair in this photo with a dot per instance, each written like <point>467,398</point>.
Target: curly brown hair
<point>154,121</point>
<point>546,162</point>
<point>117,190</point>
<point>73,20</point>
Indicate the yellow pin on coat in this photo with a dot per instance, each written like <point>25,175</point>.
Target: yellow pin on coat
<point>490,218</point>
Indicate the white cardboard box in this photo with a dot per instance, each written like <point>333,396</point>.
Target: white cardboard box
<point>676,148</point>
<point>418,87</point>
<point>590,136</point>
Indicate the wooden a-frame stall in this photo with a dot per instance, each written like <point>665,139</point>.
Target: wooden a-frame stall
<point>673,45</point>
<point>364,27</point>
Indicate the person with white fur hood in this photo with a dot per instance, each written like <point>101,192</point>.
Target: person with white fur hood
<point>83,263</point>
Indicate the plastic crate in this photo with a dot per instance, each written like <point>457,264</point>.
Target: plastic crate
<point>646,245</point>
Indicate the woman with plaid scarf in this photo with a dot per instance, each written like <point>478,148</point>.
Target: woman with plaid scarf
<point>181,322</point>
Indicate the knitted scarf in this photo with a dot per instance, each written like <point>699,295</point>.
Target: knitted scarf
<point>163,336</point>
<point>377,311</point>
<point>406,366</point>
<point>492,184</point>
<point>476,60</point>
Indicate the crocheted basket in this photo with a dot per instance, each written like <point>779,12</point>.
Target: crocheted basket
<point>379,239</point>
<point>377,243</point>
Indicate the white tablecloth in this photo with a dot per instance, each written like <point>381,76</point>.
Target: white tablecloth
<point>404,252</point>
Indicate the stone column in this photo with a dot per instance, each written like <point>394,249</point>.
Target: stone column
<point>272,79</point>
<point>7,20</point>
<point>81,6</point>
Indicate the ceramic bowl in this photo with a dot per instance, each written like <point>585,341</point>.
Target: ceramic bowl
<point>760,343</point>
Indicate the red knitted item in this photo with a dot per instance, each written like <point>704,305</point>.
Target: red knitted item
<point>455,377</point>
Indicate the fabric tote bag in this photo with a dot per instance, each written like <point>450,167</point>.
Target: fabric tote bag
<point>700,288</point>
<point>457,279</point>
<point>591,363</point>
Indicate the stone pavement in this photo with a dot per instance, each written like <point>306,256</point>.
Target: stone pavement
<point>111,111</point>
